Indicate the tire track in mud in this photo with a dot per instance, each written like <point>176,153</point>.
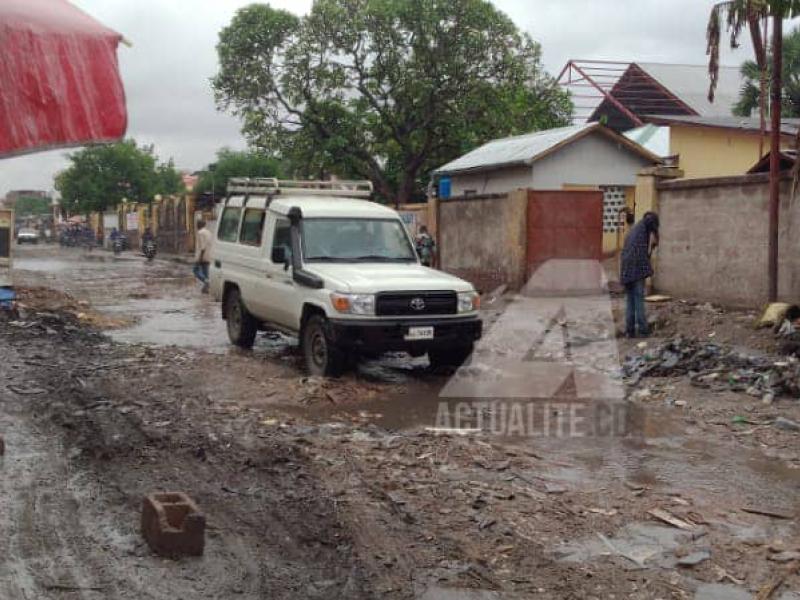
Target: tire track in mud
<point>40,521</point>
<point>69,513</point>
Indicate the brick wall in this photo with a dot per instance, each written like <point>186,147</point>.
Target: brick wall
<point>714,240</point>
<point>483,240</point>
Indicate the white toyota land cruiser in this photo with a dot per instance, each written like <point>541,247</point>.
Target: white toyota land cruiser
<point>342,273</point>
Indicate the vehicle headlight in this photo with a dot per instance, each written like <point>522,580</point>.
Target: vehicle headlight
<point>468,301</point>
<point>354,304</point>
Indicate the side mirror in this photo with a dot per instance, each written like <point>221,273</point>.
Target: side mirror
<point>279,254</point>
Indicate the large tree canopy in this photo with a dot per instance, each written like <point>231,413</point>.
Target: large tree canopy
<point>102,176</point>
<point>383,89</point>
<point>234,163</point>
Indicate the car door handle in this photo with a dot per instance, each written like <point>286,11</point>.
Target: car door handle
<point>218,264</point>
<point>268,275</point>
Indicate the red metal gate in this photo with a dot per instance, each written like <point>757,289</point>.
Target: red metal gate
<point>564,224</point>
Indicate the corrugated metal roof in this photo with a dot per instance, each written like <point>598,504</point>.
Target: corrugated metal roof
<point>690,83</point>
<point>651,137</point>
<point>788,126</point>
<point>516,150</point>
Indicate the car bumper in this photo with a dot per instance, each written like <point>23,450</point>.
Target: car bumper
<point>387,335</point>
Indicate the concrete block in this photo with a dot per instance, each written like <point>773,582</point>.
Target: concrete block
<point>172,524</point>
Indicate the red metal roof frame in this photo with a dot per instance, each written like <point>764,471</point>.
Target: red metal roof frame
<point>620,84</point>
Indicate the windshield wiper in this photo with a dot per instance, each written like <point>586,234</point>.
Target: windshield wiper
<point>328,258</point>
<point>382,258</point>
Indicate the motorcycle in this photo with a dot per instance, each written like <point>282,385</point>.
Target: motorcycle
<point>149,250</point>
<point>116,245</point>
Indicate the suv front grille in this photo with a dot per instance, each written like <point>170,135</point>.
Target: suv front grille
<point>414,304</point>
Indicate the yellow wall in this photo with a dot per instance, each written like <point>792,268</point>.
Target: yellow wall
<point>715,152</point>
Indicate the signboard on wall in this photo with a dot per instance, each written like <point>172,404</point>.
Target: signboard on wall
<point>110,221</point>
<point>132,221</point>
<point>6,236</point>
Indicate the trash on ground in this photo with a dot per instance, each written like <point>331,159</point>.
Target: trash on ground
<point>695,558</point>
<point>715,366</point>
<point>775,313</point>
<point>670,519</point>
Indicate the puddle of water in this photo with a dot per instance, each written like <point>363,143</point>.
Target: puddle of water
<point>443,593</point>
<point>719,591</point>
<point>172,321</point>
<point>639,544</point>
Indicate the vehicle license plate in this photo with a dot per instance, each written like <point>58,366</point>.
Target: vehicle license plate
<point>420,333</point>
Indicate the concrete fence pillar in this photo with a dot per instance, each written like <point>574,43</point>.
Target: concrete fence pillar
<point>647,181</point>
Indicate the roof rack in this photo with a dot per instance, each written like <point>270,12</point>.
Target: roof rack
<point>271,185</point>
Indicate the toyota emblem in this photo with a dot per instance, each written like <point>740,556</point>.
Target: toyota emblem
<point>417,304</point>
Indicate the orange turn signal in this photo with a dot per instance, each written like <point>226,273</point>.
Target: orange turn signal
<point>340,303</point>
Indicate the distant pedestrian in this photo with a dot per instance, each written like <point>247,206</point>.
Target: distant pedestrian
<point>202,254</point>
<point>426,247</point>
<point>635,268</point>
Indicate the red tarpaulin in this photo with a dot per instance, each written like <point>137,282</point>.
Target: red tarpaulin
<point>59,78</point>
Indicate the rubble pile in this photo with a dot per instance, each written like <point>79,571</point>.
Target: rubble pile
<point>717,367</point>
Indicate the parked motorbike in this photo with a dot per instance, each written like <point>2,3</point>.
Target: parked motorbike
<point>149,250</point>
<point>116,245</point>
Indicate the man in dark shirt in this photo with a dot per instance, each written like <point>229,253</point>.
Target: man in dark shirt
<point>635,269</point>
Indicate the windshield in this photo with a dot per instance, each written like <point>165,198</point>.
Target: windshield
<point>356,240</point>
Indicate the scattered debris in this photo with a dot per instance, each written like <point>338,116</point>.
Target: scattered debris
<point>669,518</point>
<point>717,367</point>
<point>786,424</point>
<point>695,558</point>
<point>658,298</point>
<point>452,430</point>
<point>775,513</point>
<point>26,391</point>
<point>615,550</point>
<point>784,557</point>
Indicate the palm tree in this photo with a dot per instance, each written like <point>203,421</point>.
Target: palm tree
<point>752,13</point>
<point>750,95</point>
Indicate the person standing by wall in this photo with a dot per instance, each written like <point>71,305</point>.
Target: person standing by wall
<point>202,254</point>
<point>426,247</point>
<point>635,268</point>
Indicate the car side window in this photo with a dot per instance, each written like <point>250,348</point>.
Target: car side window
<point>283,236</point>
<point>229,224</point>
<point>252,227</point>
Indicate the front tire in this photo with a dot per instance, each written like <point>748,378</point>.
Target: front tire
<point>242,327</point>
<point>323,358</point>
<point>449,356</point>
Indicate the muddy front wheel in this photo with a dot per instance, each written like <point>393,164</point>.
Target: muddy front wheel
<point>323,358</point>
<point>242,327</point>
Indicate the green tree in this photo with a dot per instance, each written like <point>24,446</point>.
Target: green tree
<point>102,176</point>
<point>33,205</point>
<point>236,163</point>
<point>168,179</point>
<point>750,95</point>
<point>382,89</point>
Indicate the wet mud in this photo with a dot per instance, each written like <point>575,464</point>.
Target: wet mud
<point>373,485</point>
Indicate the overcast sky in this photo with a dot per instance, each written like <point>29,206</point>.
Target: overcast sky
<point>166,72</point>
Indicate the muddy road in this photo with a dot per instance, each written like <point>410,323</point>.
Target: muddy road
<point>345,488</point>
